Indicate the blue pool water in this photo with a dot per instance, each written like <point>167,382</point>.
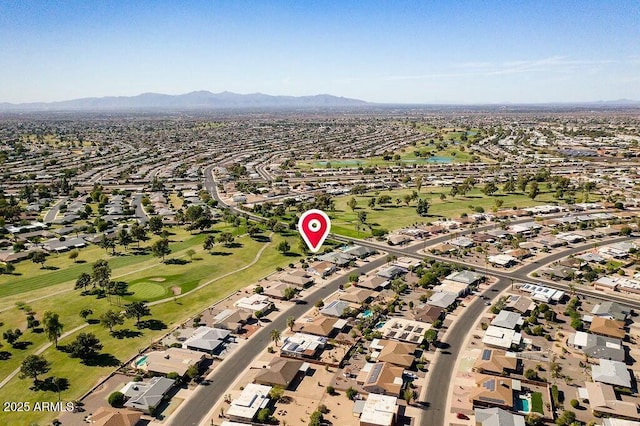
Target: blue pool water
<point>380,324</point>
<point>522,405</point>
<point>367,313</point>
<point>141,361</point>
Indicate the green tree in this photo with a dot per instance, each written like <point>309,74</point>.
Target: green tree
<point>283,247</point>
<point>490,188</point>
<point>83,281</point>
<point>33,366</point>
<point>409,395</point>
<point>209,242</point>
<point>431,336</point>
<point>276,393</point>
<point>12,336</point>
<point>73,255</point>
<point>352,204</point>
<point>351,393</point>
<point>422,208</point>
<point>264,415</point>
<point>155,224</point>
<point>160,248</point>
<point>110,319</point>
<point>52,326</point>
<point>84,313</point>
<point>139,233</point>
<point>316,418</point>
<point>291,320</point>
<point>85,346</point>
<point>566,419</point>
<point>226,238</point>
<point>534,191</point>
<point>124,238</point>
<point>39,257</point>
<point>275,336</point>
<point>137,310</point>
<point>116,399</point>
<point>101,273</point>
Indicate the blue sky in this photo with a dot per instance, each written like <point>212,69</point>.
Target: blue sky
<point>379,51</point>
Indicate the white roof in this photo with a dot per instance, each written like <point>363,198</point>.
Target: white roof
<point>501,337</point>
<point>379,410</point>
<point>253,398</point>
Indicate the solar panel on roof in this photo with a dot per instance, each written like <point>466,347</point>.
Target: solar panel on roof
<point>493,400</point>
<point>375,373</point>
<point>490,385</point>
<point>486,354</point>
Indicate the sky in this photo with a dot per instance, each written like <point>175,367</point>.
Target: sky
<point>391,51</point>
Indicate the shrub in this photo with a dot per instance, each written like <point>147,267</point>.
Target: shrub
<point>574,403</point>
<point>116,399</point>
<point>351,393</point>
<point>323,409</point>
<point>173,375</point>
<point>331,390</point>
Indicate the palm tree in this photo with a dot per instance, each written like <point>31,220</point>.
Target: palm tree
<point>275,336</point>
<point>290,322</point>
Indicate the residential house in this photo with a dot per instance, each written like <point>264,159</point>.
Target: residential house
<point>507,319</point>
<point>428,313</point>
<point>604,402</point>
<point>379,410</point>
<point>322,269</point>
<point>280,372</point>
<point>303,345</point>
<point>607,327</point>
<point>595,346</point>
<point>397,353</point>
<point>611,310</point>
<point>171,360</point>
<point>355,294</point>
<point>253,398</point>
<point>109,416</point>
<point>469,278</point>
<point>495,361</point>
<point>206,339</point>
<point>612,373</point>
<point>442,299</point>
<point>254,303</point>
<point>384,378</point>
<point>231,319</point>
<point>518,303</point>
<point>336,308</point>
<point>146,397</point>
<point>497,417</point>
<point>492,391</point>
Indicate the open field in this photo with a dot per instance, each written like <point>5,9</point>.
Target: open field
<point>171,313</point>
<point>397,215</point>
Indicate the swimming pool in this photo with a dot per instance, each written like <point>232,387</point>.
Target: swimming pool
<point>522,405</point>
<point>379,325</point>
<point>367,313</point>
<point>142,360</point>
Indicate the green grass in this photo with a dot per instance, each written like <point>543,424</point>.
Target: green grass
<point>394,216</point>
<point>172,313</point>
<point>145,290</point>
<point>536,403</point>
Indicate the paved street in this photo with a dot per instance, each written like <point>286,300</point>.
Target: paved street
<point>195,408</point>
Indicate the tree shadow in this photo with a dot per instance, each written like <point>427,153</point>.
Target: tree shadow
<point>50,268</point>
<point>102,360</point>
<point>5,355</point>
<point>93,321</point>
<point>38,330</point>
<point>21,345</point>
<point>125,333</point>
<point>233,245</point>
<point>80,261</point>
<point>176,262</point>
<point>261,238</point>
<point>291,254</point>
<point>220,253</point>
<point>48,384</point>
<point>152,324</point>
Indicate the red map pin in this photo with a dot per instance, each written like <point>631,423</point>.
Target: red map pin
<point>314,226</point>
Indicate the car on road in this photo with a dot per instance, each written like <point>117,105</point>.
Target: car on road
<point>487,303</point>
<point>462,416</point>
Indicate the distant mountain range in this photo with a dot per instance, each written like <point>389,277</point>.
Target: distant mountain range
<point>204,100</point>
<point>193,100</point>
